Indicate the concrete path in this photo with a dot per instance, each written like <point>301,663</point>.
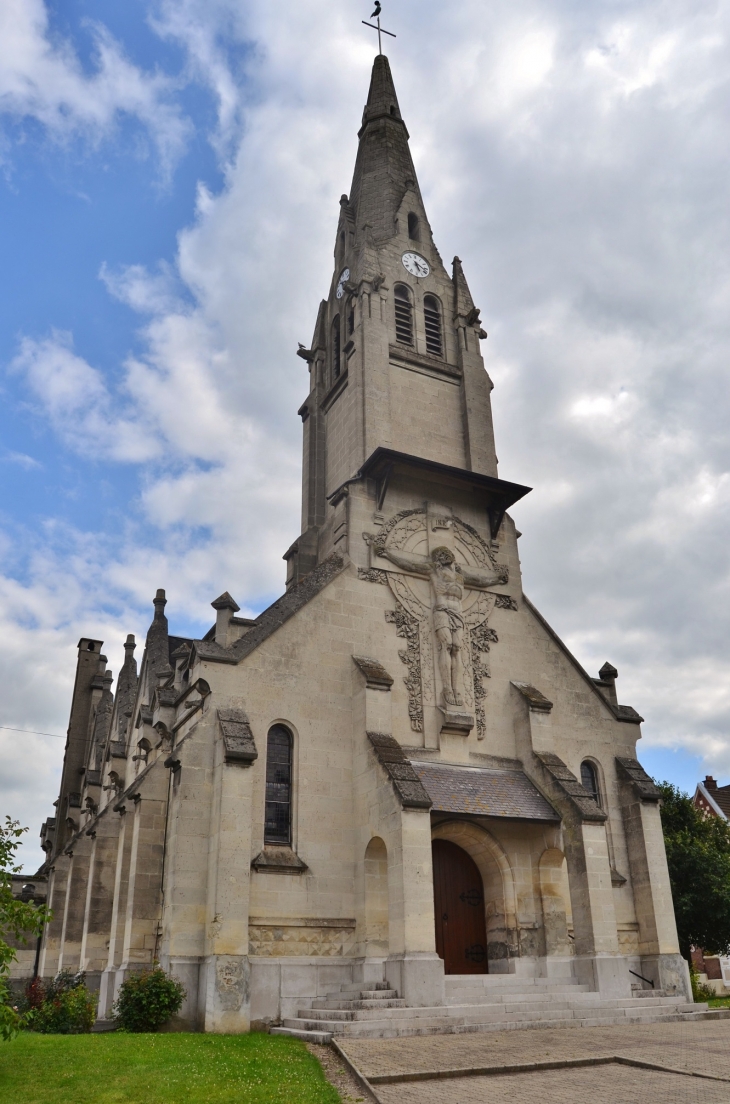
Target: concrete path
<point>673,1063</point>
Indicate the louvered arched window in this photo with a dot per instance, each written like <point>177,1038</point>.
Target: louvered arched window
<point>336,348</point>
<point>432,319</point>
<point>403,315</point>
<point>277,823</point>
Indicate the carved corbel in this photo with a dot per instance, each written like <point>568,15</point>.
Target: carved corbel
<point>164,734</point>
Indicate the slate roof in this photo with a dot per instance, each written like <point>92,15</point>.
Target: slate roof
<point>722,796</point>
<point>482,792</point>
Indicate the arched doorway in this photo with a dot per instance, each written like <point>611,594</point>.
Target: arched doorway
<point>458,894</point>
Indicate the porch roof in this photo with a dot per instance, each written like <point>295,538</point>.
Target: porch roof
<point>483,792</point>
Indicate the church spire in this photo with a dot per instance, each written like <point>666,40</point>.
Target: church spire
<point>384,167</point>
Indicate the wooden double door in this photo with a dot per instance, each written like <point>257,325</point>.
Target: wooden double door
<point>458,892</point>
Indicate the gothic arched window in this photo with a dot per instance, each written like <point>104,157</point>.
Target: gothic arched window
<point>589,778</point>
<point>336,353</point>
<point>403,315</point>
<point>414,232</point>
<point>432,318</point>
<point>277,822</point>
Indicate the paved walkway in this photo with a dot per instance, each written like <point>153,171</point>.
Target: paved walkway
<point>674,1063</point>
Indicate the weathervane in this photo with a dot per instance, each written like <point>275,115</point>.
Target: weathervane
<point>376,26</point>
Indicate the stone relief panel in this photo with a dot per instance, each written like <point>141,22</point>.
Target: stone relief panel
<point>439,580</point>
<point>331,939</point>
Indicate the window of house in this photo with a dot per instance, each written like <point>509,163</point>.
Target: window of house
<point>432,318</point>
<point>277,823</point>
<point>336,351</point>
<point>403,315</point>
<point>589,778</point>
<point>413,229</point>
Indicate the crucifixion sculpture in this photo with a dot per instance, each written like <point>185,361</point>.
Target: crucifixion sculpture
<point>448,580</point>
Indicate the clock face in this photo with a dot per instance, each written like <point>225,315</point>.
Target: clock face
<point>344,277</point>
<point>416,264</point>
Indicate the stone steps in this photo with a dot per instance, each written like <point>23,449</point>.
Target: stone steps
<point>476,1003</point>
<point>593,1002</point>
<point>507,981</point>
<point>353,1004</point>
<point>389,1029</point>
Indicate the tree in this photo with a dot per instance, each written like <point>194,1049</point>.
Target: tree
<point>18,920</point>
<point>698,856</point>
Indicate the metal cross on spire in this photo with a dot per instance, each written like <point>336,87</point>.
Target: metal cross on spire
<point>376,26</point>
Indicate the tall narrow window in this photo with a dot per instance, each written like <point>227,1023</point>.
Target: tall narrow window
<point>589,778</point>
<point>432,318</point>
<point>277,824</point>
<point>336,353</point>
<point>413,231</point>
<point>351,317</point>
<point>403,315</point>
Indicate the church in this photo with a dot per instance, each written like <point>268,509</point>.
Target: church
<point>394,802</point>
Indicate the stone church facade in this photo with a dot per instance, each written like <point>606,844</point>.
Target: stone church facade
<point>397,775</point>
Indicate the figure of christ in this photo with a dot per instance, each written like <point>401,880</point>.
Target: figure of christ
<point>448,580</point>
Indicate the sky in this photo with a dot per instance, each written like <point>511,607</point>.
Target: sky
<point>170,172</point>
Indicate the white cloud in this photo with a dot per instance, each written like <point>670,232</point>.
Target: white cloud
<point>22,460</point>
<point>75,399</point>
<point>41,77</point>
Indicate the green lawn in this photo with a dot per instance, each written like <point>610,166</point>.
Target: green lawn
<point>161,1069</point>
<point>719,1002</point>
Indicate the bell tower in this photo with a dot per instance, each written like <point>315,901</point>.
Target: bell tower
<point>395,361</point>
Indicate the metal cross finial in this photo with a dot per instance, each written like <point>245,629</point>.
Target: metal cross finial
<point>376,26</point>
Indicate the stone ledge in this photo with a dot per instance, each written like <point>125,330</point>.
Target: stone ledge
<point>406,782</point>
<point>632,771</point>
<point>278,860</point>
<point>570,788</point>
<point>376,676</point>
<point>300,922</point>
<point>411,359</point>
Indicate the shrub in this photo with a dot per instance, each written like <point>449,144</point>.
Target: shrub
<point>64,1006</point>
<point>18,920</point>
<point>147,1000</point>
<point>700,991</point>
<point>35,994</point>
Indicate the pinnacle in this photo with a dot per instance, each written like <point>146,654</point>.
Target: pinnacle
<point>464,302</point>
<point>225,602</point>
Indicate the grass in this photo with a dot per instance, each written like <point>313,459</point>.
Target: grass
<point>719,1002</point>
<point>161,1069</point>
